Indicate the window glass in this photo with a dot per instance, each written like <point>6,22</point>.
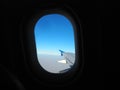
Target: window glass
<point>55,45</point>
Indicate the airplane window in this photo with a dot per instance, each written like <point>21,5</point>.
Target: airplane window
<point>55,44</point>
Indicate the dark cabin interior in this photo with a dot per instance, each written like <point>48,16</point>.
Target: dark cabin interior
<point>14,71</point>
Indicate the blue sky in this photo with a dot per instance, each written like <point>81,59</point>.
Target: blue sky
<point>53,32</point>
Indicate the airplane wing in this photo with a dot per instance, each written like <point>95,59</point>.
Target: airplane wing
<point>69,57</point>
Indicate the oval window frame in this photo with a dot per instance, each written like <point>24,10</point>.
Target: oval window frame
<point>70,21</point>
<point>29,46</point>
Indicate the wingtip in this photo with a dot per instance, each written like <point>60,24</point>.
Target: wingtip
<point>61,51</point>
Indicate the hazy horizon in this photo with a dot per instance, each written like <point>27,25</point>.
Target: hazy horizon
<point>50,63</point>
